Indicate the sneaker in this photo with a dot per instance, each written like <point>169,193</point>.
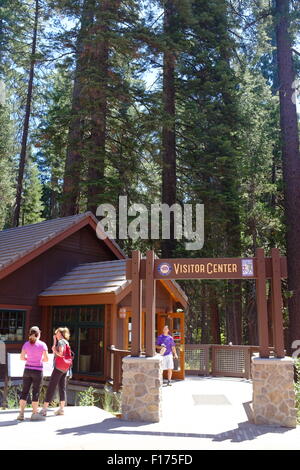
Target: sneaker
<point>59,412</point>
<point>37,417</point>
<point>169,383</point>
<point>43,412</point>
<point>20,417</point>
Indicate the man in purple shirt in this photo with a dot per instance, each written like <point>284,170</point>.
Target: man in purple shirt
<point>168,349</point>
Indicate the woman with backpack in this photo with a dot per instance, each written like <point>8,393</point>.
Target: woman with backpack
<point>34,352</point>
<point>62,363</point>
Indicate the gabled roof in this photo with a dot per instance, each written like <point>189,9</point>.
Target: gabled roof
<point>91,278</point>
<point>20,245</point>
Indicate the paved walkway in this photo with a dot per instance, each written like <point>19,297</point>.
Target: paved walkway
<point>199,413</point>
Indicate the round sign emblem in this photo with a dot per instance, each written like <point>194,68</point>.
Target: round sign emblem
<point>164,268</point>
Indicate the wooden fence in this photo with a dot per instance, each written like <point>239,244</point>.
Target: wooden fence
<point>219,360</point>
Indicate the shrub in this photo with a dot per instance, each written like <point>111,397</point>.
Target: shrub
<point>297,388</point>
<point>108,401</point>
<point>111,401</point>
<point>88,397</point>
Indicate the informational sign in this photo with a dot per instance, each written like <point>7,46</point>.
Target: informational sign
<point>203,268</point>
<point>207,268</point>
<point>16,366</point>
<point>247,267</point>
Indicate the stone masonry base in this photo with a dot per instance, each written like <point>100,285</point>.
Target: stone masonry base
<point>142,388</point>
<point>273,392</point>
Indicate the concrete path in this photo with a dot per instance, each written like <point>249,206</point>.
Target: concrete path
<point>199,413</point>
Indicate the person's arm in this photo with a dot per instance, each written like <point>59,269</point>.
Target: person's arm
<point>60,350</point>
<point>23,355</point>
<point>174,348</point>
<point>174,352</point>
<point>158,344</point>
<point>54,344</point>
<point>45,356</point>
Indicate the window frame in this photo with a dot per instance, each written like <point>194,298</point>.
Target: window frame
<point>26,309</point>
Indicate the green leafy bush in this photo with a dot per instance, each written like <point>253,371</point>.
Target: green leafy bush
<point>109,401</point>
<point>88,397</point>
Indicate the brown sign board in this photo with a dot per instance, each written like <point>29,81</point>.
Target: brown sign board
<point>207,268</point>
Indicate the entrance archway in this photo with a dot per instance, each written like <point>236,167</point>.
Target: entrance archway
<point>272,378</point>
<point>260,268</point>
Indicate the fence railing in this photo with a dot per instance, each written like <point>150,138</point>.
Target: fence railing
<point>219,360</point>
<point>116,371</point>
<point>197,359</point>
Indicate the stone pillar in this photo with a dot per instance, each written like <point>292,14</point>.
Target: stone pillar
<point>142,388</point>
<point>273,391</point>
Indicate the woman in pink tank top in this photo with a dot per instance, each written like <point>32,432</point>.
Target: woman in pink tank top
<point>34,352</point>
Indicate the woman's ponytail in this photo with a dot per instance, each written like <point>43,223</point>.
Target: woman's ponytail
<point>34,334</point>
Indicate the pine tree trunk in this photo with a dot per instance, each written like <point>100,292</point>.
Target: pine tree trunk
<point>17,209</point>
<point>291,162</point>
<point>98,105</point>
<point>75,149</point>
<point>204,315</point>
<point>214,316</point>
<point>168,131</point>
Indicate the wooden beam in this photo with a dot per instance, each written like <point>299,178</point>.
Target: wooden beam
<point>277,317</point>
<point>150,304</point>
<point>113,325</point>
<point>136,341</point>
<point>83,299</point>
<point>261,300</point>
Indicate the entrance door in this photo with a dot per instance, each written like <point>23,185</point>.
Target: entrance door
<point>175,322</point>
<point>86,325</point>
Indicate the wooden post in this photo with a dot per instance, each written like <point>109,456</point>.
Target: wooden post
<point>136,340</point>
<point>277,318</point>
<point>150,304</point>
<point>6,384</point>
<point>261,301</point>
<point>113,325</point>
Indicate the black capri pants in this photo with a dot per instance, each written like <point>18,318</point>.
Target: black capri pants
<point>34,378</point>
<point>58,378</point>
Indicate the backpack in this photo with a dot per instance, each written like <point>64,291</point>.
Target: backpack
<point>64,363</point>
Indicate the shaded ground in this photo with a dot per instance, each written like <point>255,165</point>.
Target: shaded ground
<point>199,413</point>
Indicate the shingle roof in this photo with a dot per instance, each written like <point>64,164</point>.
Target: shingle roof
<point>96,278</point>
<point>91,278</point>
<point>16,243</point>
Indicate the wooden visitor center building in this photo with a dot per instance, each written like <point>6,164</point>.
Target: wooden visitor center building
<point>60,273</point>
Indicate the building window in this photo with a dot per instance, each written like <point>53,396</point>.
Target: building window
<point>12,324</point>
<point>86,325</point>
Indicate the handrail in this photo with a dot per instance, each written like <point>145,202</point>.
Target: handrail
<point>116,366</point>
<point>112,348</point>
